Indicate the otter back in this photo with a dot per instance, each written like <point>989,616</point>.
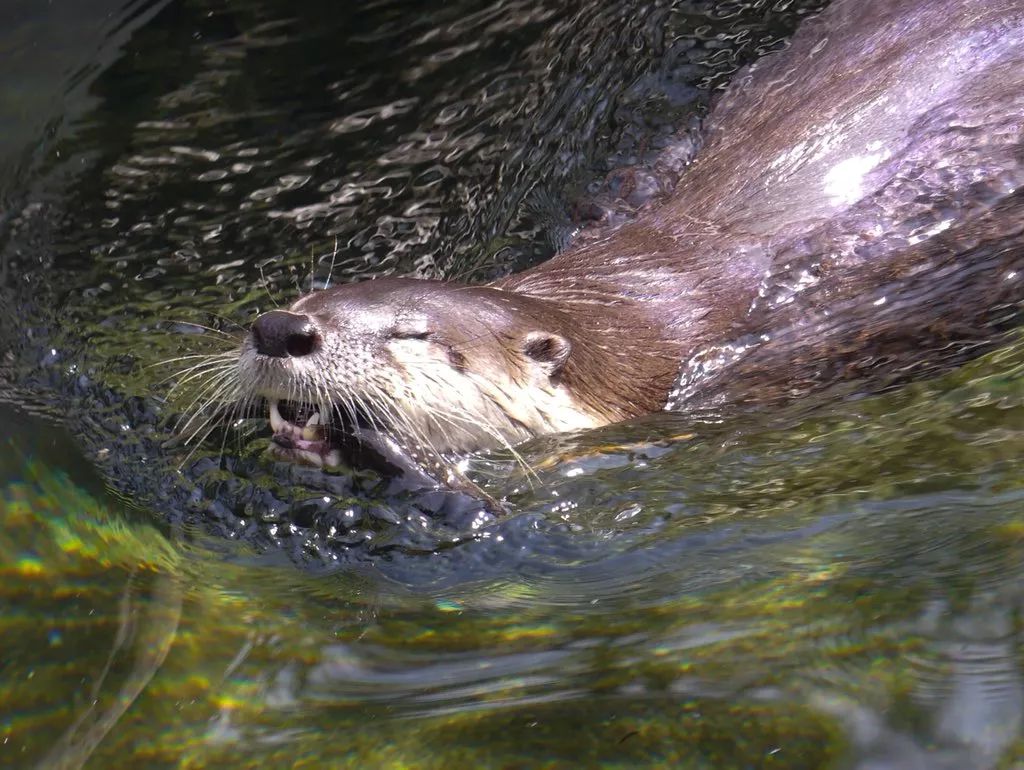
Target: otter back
<point>854,210</point>
<point>896,215</point>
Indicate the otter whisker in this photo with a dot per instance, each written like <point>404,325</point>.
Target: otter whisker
<point>196,360</point>
<point>330,270</point>
<point>196,438</point>
<point>232,322</point>
<point>212,393</point>
<point>198,371</point>
<point>213,329</point>
<point>266,286</point>
<point>419,436</point>
<point>196,441</point>
<point>312,270</point>
<point>192,357</point>
<point>195,432</point>
<point>212,375</point>
<point>463,418</point>
<point>240,407</point>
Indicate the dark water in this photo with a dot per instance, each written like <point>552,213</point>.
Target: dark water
<point>834,585</point>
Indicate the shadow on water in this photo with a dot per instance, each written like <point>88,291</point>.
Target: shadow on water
<point>834,584</point>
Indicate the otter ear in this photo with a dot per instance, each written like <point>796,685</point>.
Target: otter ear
<point>549,350</point>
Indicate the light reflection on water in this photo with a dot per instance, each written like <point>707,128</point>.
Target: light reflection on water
<point>838,583</point>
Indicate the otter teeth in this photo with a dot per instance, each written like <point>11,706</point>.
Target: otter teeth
<point>277,423</point>
<point>313,431</point>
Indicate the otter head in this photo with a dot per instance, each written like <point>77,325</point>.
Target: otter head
<point>436,368</point>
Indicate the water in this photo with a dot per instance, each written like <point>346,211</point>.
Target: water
<point>832,585</point>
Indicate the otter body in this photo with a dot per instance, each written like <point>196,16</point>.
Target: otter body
<point>858,195</point>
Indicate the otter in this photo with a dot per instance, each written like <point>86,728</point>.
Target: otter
<point>878,159</point>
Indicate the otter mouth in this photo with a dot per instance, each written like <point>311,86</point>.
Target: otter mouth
<point>302,433</point>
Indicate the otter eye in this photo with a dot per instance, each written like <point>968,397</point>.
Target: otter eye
<point>399,334</point>
<point>410,329</point>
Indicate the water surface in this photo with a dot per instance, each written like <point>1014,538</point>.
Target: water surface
<point>833,585</point>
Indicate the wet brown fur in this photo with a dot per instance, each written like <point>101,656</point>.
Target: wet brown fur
<point>695,271</point>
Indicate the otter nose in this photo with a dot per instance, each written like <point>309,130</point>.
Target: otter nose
<point>280,334</point>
